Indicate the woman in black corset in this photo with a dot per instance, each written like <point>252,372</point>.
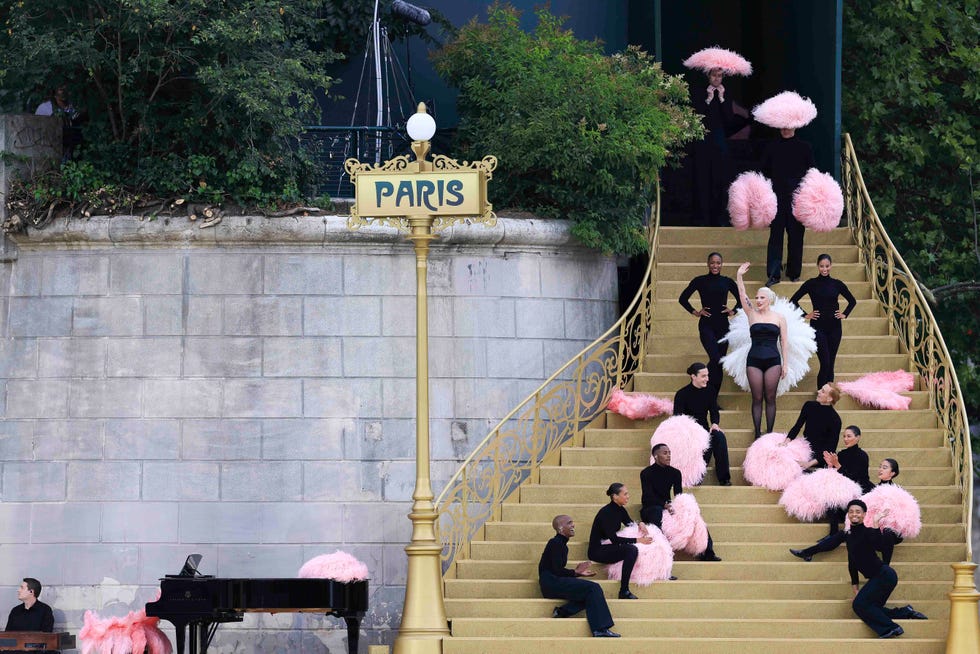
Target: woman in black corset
<point>825,315</point>
<point>763,367</point>
<point>713,289</point>
<point>610,519</point>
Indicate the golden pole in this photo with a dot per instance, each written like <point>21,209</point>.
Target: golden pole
<point>964,625</point>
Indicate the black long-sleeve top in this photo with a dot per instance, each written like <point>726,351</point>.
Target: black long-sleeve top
<point>37,618</point>
<point>713,291</point>
<point>823,426</point>
<point>657,482</point>
<point>555,558</point>
<point>786,161</point>
<point>854,465</point>
<point>607,522</point>
<point>863,545</point>
<point>698,403</point>
<point>823,292</point>
<point>720,119</point>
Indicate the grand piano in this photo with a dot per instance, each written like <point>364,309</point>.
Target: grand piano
<point>203,602</point>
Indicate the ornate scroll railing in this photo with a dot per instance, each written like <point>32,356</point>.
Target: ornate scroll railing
<point>912,319</point>
<point>549,417</point>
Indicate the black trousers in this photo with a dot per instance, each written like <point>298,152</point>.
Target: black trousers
<point>611,553</point>
<point>580,594</point>
<point>785,222</point>
<point>711,330</point>
<point>828,342</point>
<point>719,447</point>
<point>653,514</point>
<point>713,174</point>
<point>869,603</point>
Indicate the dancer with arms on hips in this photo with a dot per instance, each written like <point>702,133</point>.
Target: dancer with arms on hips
<point>606,523</point>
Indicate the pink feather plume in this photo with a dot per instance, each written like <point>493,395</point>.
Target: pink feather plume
<point>818,202</point>
<point>771,464</point>
<point>751,201</point>
<point>880,390</point>
<point>132,634</point>
<point>904,516</point>
<point>687,441</point>
<point>787,110</point>
<point>639,406</point>
<point>810,496</point>
<point>685,529</point>
<point>654,561</point>
<point>339,566</point>
<point>730,62</point>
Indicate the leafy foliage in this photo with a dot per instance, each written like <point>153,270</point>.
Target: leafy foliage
<point>578,134</point>
<point>910,102</point>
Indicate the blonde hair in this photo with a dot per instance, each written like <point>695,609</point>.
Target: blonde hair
<point>769,293</point>
<point>834,396</point>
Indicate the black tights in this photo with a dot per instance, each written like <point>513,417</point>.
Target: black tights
<point>763,387</point>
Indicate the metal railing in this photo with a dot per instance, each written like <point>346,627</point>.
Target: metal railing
<point>912,319</point>
<point>552,415</point>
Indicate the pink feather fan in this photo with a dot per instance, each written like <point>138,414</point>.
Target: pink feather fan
<point>880,389</point>
<point>687,441</point>
<point>818,202</point>
<point>339,566</point>
<point>639,406</point>
<point>654,561</point>
<point>904,516</point>
<point>132,634</point>
<point>771,464</point>
<point>751,201</point>
<point>810,496</point>
<point>786,110</point>
<point>731,63</point>
<point>685,529</point>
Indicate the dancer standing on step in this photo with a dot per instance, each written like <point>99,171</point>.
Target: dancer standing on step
<point>713,289</point>
<point>822,425</point>
<point>763,367</point>
<point>699,400</point>
<point>558,582</point>
<point>606,523</point>
<point>825,315</point>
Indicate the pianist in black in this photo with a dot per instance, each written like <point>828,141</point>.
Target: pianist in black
<point>32,614</point>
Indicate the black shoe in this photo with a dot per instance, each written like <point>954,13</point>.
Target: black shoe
<point>894,633</point>
<point>625,594</point>
<point>913,614</point>
<point>558,613</point>
<point>794,279</point>
<point>799,554</point>
<point>727,482</point>
<point>604,633</point>
<point>708,557</point>
<point>672,578</point>
<point>772,281</point>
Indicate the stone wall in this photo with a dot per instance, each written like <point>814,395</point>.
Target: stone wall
<point>247,392</point>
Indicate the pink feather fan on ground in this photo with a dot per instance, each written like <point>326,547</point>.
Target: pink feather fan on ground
<point>751,201</point>
<point>685,529</point>
<point>787,110</point>
<point>339,566</point>
<point>771,464</point>
<point>639,406</point>
<point>810,496</point>
<point>132,634</point>
<point>904,516</point>
<point>880,390</point>
<point>731,63</point>
<point>687,441</point>
<point>654,561</point>
<point>818,202</point>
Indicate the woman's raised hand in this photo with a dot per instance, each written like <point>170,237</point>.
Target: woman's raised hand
<point>743,268</point>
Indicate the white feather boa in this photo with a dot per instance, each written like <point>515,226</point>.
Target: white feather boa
<point>802,345</point>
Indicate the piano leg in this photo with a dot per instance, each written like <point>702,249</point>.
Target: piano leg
<point>179,629</point>
<point>353,632</point>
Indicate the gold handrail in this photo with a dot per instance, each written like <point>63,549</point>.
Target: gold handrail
<point>548,418</point>
<point>912,319</point>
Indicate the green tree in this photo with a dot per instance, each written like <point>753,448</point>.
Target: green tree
<point>911,91</point>
<point>578,134</point>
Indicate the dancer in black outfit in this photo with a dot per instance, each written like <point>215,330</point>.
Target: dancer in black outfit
<point>558,582</point>
<point>825,316</point>
<point>699,400</point>
<point>785,162</point>
<point>822,425</point>
<point>714,313</point>
<point>661,482</point>
<point>607,522</point>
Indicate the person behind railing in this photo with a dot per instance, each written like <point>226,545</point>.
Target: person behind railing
<point>559,582</point>
<point>822,425</point>
<point>713,289</point>
<point>699,400</point>
<point>60,106</point>
<point>825,315</point>
<point>606,523</point>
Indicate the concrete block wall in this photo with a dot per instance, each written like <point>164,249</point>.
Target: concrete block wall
<point>248,392</point>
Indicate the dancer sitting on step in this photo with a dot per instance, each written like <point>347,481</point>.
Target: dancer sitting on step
<point>699,400</point>
<point>606,523</point>
<point>822,425</point>
<point>559,582</point>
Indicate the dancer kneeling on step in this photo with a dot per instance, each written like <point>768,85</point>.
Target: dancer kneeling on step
<point>559,582</point>
<point>606,523</point>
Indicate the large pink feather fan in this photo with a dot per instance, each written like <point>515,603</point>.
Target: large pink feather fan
<point>771,462</point>
<point>787,110</point>
<point>809,497</point>
<point>687,441</point>
<point>339,566</point>
<point>818,202</point>
<point>131,634</point>
<point>653,562</point>
<point>685,529</point>
<point>880,389</point>
<point>904,516</point>
<point>730,62</point>
<point>639,406</point>
<point>751,201</point>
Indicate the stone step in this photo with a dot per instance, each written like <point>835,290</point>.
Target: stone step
<point>684,271</point>
<point>691,345</point>
<point>855,327</point>
<point>741,401</point>
<point>860,363</point>
<point>639,456</point>
<point>786,416</point>
<point>667,383</point>
<point>729,236</point>
<point>872,440</point>
<point>756,254</point>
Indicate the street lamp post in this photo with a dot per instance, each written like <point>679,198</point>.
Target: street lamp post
<point>421,197</point>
